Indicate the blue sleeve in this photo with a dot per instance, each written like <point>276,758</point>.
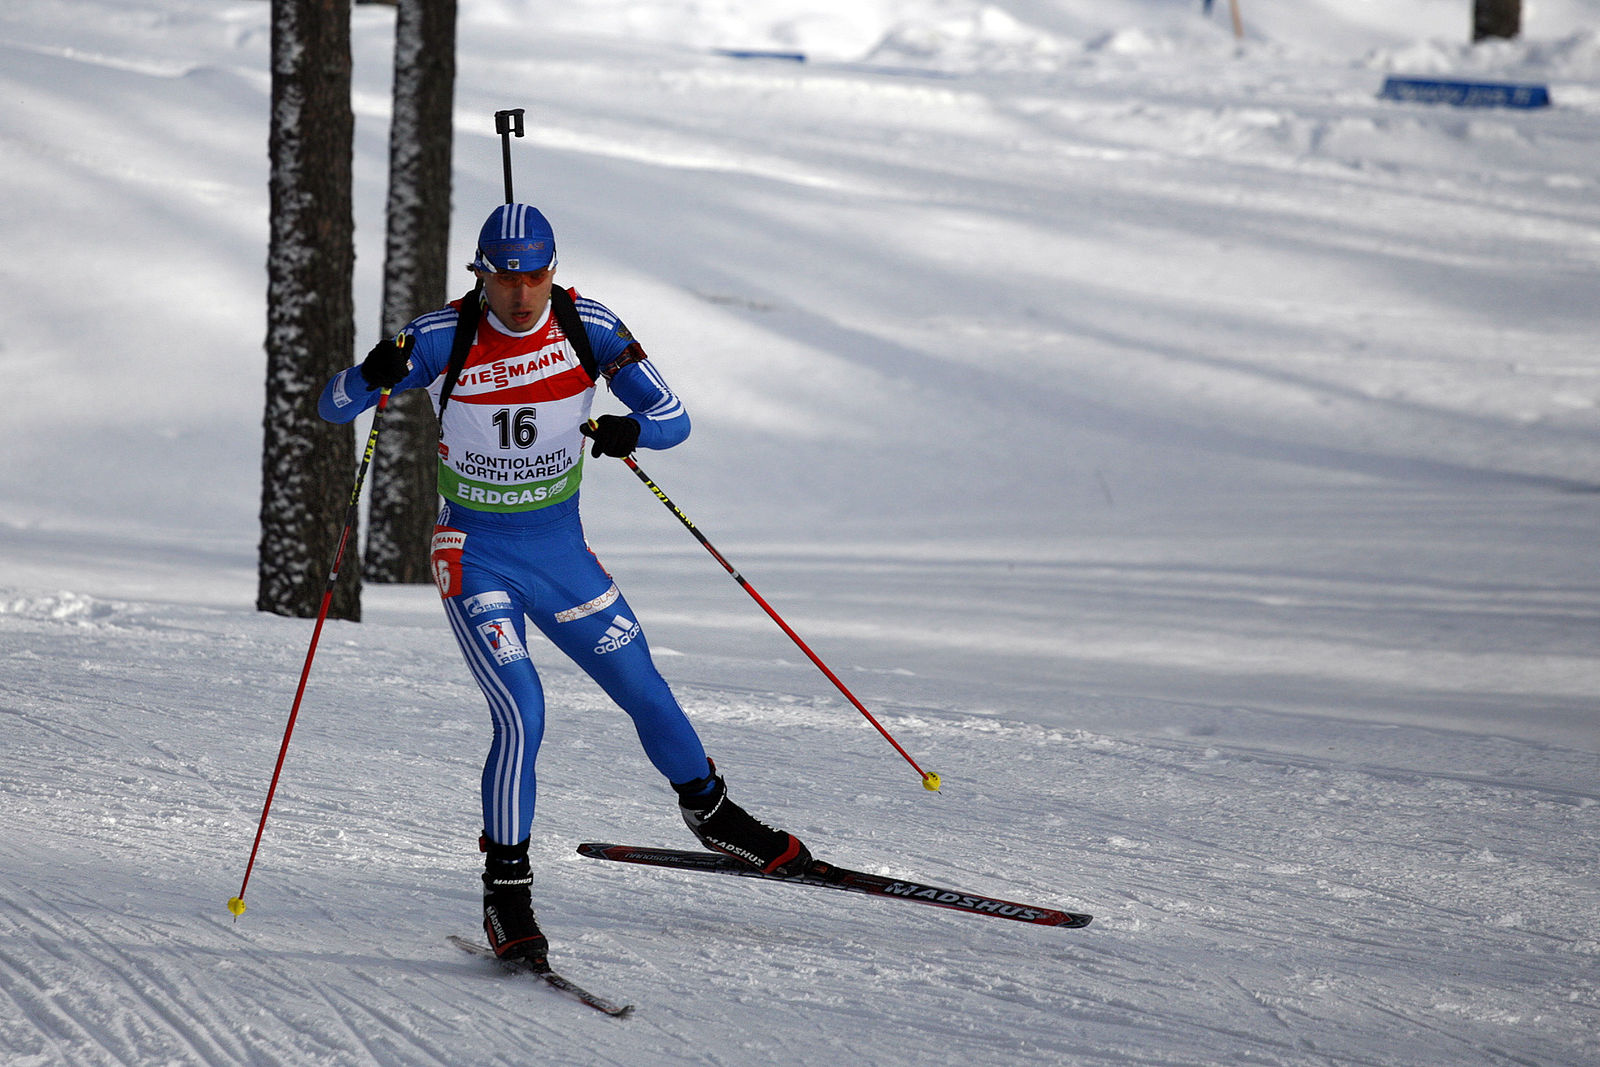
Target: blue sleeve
<point>633,378</point>
<point>661,416</point>
<point>348,395</point>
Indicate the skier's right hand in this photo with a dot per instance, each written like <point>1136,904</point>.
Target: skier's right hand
<point>388,362</point>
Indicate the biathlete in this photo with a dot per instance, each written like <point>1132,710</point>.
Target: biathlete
<point>509,545</point>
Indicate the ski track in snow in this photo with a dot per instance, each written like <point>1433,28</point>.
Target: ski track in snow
<point>1275,908</point>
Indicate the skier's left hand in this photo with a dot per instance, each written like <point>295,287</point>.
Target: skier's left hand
<point>614,435</point>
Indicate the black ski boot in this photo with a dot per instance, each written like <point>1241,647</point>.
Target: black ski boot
<point>724,826</point>
<point>508,904</point>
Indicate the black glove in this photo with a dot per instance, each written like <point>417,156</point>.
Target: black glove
<point>614,435</point>
<point>388,362</point>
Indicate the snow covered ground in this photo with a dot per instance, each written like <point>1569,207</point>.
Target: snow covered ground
<point>1190,456</point>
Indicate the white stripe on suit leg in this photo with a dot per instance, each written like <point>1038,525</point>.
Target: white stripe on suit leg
<point>507,772</point>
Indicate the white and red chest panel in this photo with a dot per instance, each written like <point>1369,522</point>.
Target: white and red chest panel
<point>510,439</point>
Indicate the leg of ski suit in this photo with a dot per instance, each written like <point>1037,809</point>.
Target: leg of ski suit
<point>549,575</point>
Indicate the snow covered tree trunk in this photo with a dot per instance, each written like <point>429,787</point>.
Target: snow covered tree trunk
<point>403,503</point>
<point>1496,18</point>
<point>307,465</point>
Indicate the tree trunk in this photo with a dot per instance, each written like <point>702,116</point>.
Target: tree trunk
<point>404,469</point>
<point>1496,18</point>
<point>307,465</point>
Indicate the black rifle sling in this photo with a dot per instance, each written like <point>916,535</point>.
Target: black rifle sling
<point>566,313</point>
<point>466,331</point>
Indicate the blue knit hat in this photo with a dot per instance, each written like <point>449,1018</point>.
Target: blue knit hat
<point>515,237</point>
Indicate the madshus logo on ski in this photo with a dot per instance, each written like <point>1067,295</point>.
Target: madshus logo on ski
<point>951,899</point>
<point>621,631</point>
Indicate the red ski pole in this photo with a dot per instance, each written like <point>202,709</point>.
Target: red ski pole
<point>236,904</point>
<point>930,781</point>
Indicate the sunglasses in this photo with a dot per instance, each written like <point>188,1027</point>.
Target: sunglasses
<point>510,279</point>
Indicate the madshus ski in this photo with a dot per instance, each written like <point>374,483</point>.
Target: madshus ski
<point>829,876</point>
<point>571,989</point>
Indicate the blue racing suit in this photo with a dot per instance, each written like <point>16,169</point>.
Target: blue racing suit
<point>509,545</point>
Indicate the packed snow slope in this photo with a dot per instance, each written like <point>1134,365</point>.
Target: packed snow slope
<point>1190,456</point>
